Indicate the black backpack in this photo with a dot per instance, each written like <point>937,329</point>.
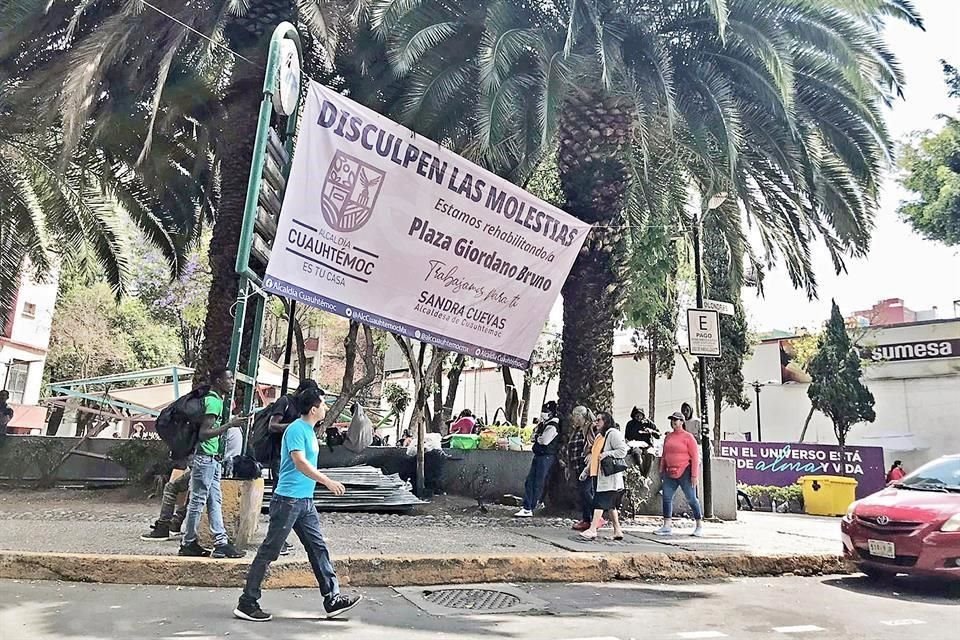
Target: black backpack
<point>178,425</point>
<point>264,445</point>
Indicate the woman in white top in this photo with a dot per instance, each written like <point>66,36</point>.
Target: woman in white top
<point>610,443</point>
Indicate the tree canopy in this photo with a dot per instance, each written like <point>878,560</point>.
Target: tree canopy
<point>931,166</point>
<point>836,389</point>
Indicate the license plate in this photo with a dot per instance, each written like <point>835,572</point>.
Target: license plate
<point>882,549</point>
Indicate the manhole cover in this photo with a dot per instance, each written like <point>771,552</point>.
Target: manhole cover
<point>472,599</point>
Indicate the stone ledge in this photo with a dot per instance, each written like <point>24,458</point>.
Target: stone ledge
<point>399,571</point>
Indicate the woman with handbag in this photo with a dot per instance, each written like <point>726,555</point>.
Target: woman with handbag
<point>680,468</point>
<point>607,464</point>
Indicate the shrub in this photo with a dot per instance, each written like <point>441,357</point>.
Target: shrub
<point>513,431</point>
<point>143,459</point>
<point>764,497</point>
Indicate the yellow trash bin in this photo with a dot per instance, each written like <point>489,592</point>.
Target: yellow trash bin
<point>827,495</point>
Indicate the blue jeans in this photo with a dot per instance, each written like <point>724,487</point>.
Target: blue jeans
<point>670,486</point>
<point>587,492</point>
<point>537,481</point>
<point>205,492</point>
<point>300,515</point>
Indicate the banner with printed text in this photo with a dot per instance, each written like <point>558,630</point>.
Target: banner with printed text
<point>778,464</point>
<point>392,230</point>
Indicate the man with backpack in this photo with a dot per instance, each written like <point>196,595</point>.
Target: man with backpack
<point>271,422</point>
<point>206,471</point>
<point>268,427</point>
<point>292,508</point>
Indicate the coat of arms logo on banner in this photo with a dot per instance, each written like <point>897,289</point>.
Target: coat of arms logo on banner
<point>350,192</point>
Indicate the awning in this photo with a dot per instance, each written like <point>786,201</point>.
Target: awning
<point>27,418</point>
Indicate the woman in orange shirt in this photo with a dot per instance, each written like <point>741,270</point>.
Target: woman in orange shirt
<point>680,469</point>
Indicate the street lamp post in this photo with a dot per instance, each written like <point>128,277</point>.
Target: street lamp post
<point>757,385</point>
<point>709,204</point>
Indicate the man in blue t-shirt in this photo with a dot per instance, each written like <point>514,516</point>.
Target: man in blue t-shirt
<point>292,508</point>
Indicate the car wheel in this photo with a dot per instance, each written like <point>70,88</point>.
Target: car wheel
<point>878,575</point>
<point>743,502</point>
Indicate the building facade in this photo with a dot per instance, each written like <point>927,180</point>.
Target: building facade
<point>24,342</point>
<point>913,370</point>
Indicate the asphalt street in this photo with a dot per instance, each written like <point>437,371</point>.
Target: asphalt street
<point>790,607</point>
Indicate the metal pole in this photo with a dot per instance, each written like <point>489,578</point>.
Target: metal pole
<point>255,344</point>
<point>288,349</point>
<point>759,431</point>
<point>702,382</point>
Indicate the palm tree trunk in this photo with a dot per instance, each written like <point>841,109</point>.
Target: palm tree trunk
<point>237,135</point>
<point>589,319</point>
<point>594,132</point>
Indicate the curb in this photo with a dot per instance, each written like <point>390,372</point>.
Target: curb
<point>400,571</point>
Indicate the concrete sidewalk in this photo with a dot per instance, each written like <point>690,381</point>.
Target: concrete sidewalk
<point>39,532</point>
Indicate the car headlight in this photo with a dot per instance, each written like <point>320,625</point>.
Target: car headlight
<point>952,525</point>
<point>850,511</point>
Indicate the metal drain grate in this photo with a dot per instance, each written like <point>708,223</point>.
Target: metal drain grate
<point>472,599</point>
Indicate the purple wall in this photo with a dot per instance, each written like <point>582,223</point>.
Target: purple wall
<point>779,464</point>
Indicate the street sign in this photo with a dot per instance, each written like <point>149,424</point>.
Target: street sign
<point>721,307</point>
<point>703,332</point>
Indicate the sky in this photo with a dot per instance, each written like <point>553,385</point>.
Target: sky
<point>900,264</point>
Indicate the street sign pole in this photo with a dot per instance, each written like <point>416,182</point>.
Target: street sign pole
<point>702,382</point>
<point>265,188</point>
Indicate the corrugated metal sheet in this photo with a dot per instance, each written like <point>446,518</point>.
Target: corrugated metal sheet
<point>368,489</point>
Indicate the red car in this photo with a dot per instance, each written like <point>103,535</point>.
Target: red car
<point>912,526</point>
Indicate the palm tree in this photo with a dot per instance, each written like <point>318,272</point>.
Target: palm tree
<point>775,102</point>
<point>77,207</point>
<point>93,61</point>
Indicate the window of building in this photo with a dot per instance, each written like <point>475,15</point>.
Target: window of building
<point>29,310</point>
<point>16,382</point>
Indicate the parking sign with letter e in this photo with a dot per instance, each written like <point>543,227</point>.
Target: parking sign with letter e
<point>703,332</point>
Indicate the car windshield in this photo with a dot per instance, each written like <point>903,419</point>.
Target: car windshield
<point>939,475</point>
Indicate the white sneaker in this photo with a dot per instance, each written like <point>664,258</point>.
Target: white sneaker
<point>663,531</point>
<point>523,513</point>
<point>697,533</point>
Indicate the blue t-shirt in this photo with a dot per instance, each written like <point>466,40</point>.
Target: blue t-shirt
<point>299,436</point>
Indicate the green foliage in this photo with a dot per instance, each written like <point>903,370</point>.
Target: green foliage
<point>546,360</point>
<point>804,348</point>
<point>179,303</point>
<point>763,497</point>
<point>93,335</point>
<point>931,167</point>
<point>71,175</point>
<point>143,459</point>
<point>723,262</point>
<point>32,458</point>
<point>777,103</point>
<point>652,295</point>
<point>397,397</point>
<point>513,431</point>
<point>638,490</point>
<point>836,389</point>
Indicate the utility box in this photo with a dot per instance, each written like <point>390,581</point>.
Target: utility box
<point>827,495</point>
